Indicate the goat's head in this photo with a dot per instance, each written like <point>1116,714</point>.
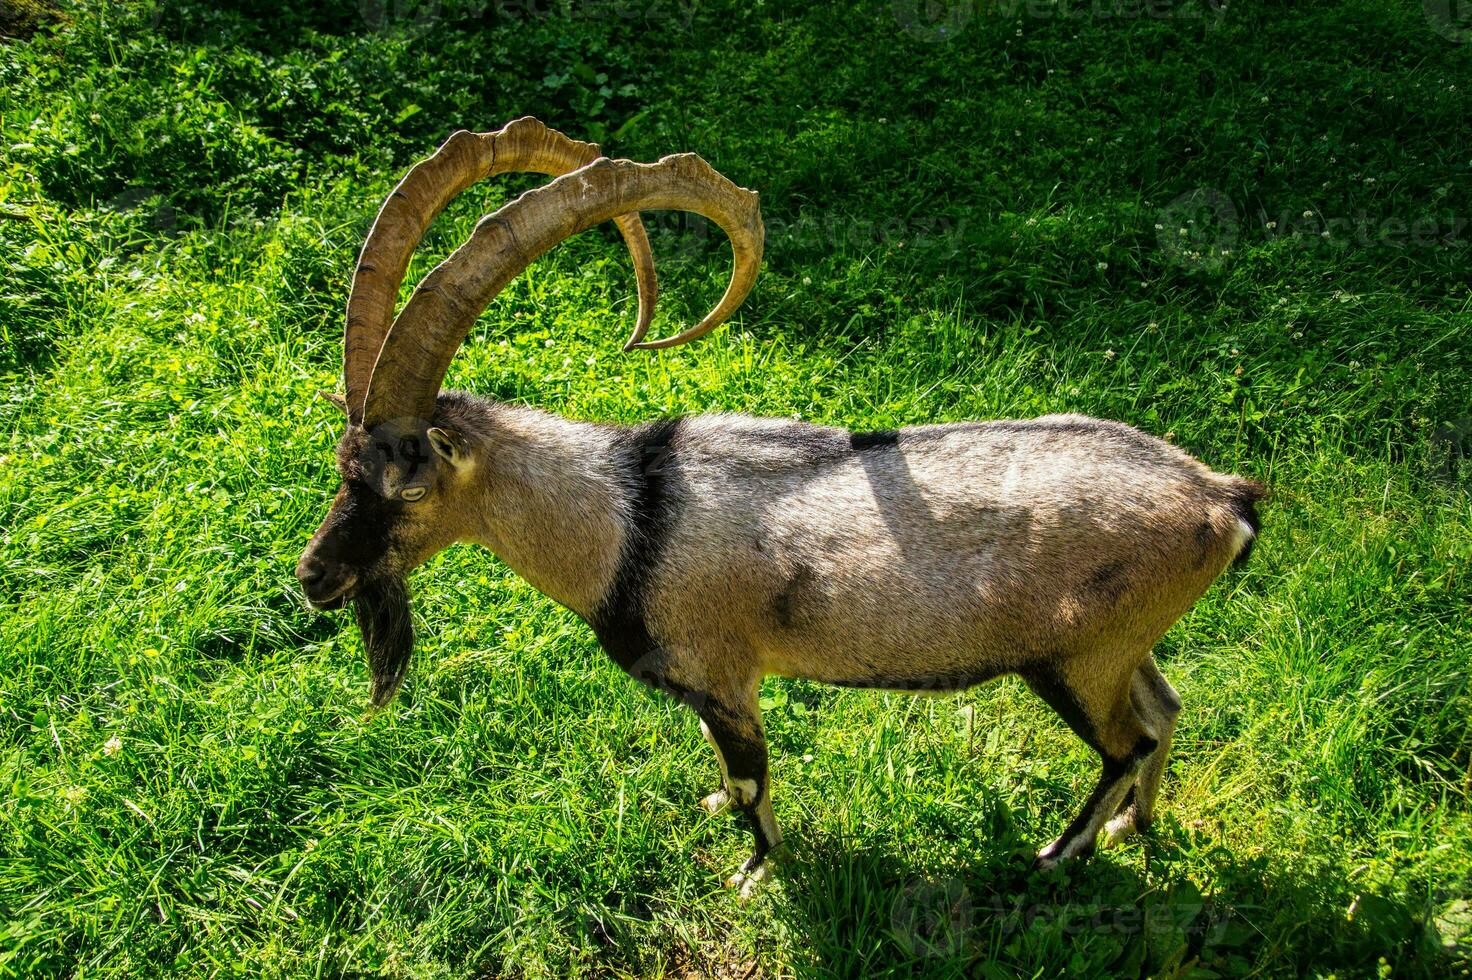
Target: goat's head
<point>396,507</point>
<point>404,465</point>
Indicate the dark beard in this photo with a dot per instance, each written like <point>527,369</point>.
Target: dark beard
<point>382,609</point>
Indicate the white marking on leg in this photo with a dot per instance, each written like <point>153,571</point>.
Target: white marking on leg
<point>1090,834</point>
<point>716,748</point>
<point>1066,847</point>
<point>717,801</point>
<point>1119,827</point>
<point>1158,706</point>
<point>743,791</point>
<point>767,822</point>
<point>746,882</point>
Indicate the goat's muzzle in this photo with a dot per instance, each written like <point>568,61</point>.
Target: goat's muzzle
<point>326,585</point>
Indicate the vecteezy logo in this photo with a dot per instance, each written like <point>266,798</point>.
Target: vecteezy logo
<point>1452,19</point>
<point>679,237</point>
<point>413,17</point>
<point>931,21</point>
<point>1451,448</point>
<point>931,917</point>
<point>1449,920</point>
<point>399,452</point>
<point>150,204</point>
<point>1199,229</point>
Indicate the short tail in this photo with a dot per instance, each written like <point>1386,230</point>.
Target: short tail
<point>1244,496</point>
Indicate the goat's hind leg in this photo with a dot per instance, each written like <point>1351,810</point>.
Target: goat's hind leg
<point>1159,704</point>
<point>735,732</point>
<point>1100,710</point>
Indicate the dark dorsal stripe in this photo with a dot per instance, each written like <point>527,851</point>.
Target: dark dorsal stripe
<point>873,440</point>
<point>646,457</point>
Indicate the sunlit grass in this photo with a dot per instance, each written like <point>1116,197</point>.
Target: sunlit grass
<point>193,782</point>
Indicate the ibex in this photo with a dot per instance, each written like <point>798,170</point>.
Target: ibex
<point>707,552</point>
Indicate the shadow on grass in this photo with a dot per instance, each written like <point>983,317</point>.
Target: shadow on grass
<point>869,912</point>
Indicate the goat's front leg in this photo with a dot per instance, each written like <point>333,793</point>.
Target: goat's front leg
<point>733,727</point>
<point>721,798</point>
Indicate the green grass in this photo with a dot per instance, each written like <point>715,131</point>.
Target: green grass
<point>959,229</point>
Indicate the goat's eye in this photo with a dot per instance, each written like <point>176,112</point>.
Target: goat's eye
<point>411,493</point>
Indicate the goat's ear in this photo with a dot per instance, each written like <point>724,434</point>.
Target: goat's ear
<point>450,446</point>
<point>336,399</point>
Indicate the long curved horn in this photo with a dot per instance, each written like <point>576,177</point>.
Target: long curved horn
<point>428,331</point>
<point>522,146</point>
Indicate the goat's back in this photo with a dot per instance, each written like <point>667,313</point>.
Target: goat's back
<point>935,556</point>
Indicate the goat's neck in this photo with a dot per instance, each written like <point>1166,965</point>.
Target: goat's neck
<point>549,502</point>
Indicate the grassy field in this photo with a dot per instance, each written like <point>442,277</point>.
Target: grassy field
<point>1245,228</point>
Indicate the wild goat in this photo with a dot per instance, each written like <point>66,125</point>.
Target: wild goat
<point>708,552</point>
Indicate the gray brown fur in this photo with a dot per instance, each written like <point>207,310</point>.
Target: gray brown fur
<point>711,551</point>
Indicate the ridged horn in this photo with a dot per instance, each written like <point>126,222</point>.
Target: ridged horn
<point>522,146</point>
<point>417,351</point>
